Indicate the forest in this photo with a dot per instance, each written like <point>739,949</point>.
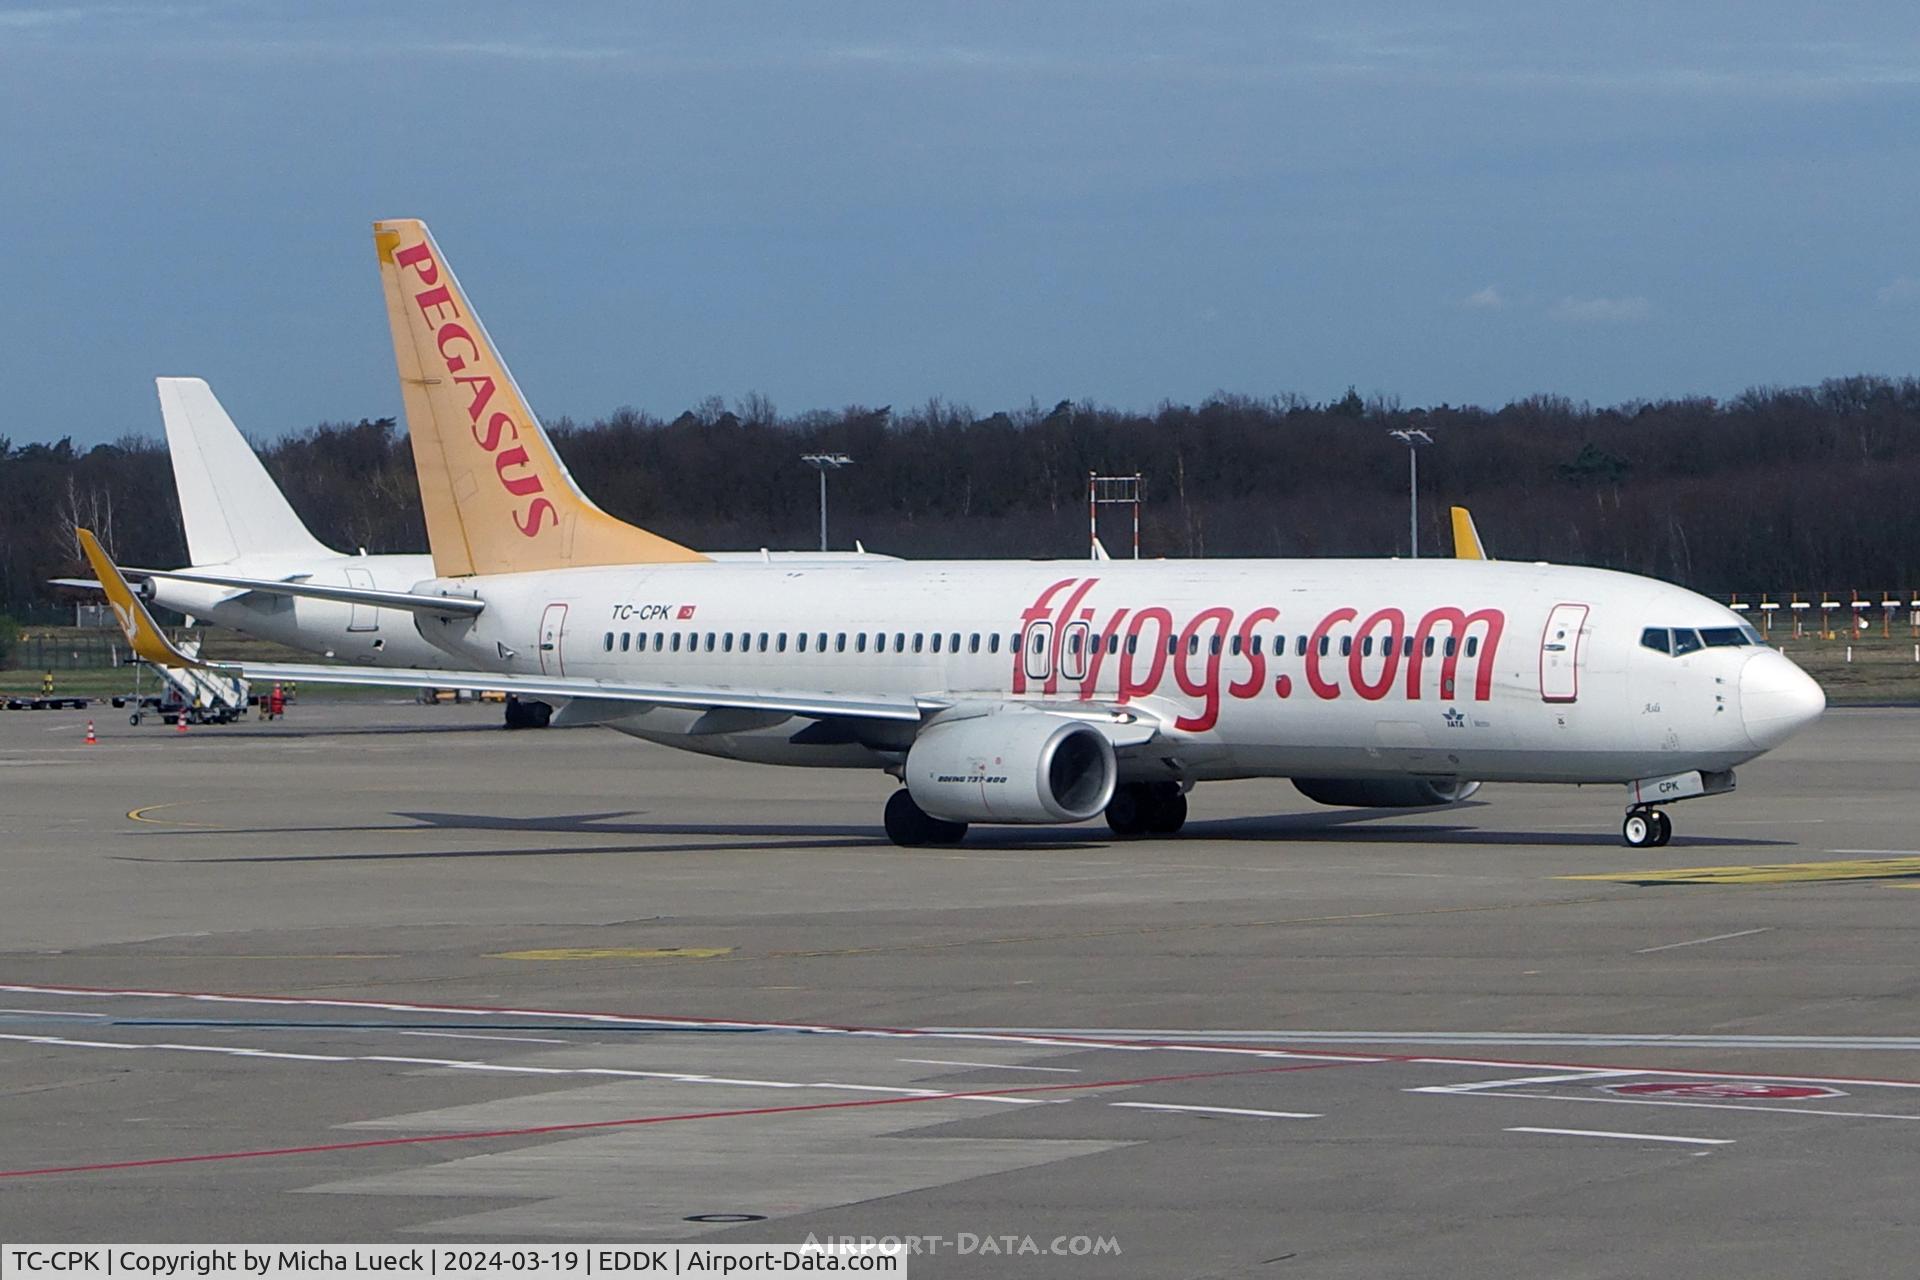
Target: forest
<point>1778,489</point>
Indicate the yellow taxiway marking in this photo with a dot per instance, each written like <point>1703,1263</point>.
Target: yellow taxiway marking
<point>615,953</point>
<point>140,815</point>
<point>1770,873</point>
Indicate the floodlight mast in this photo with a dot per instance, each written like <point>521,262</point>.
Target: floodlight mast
<point>823,463</point>
<point>1413,438</point>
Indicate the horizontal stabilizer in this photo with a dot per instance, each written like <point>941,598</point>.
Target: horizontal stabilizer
<point>412,601</point>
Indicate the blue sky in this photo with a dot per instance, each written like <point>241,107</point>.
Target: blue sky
<point>835,202</point>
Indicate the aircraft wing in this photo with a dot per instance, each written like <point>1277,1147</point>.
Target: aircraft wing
<point>150,643</point>
<point>549,688</point>
<point>412,601</point>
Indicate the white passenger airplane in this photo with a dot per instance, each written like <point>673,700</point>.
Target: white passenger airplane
<point>247,546</point>
<point>1038,692</point>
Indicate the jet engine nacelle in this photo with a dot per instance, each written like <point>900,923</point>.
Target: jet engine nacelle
<point>1384,793</point>
<point>1011,766</point>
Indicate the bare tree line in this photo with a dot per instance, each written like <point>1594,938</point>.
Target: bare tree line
<point>1808,488</point>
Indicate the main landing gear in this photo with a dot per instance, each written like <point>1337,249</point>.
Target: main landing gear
<point>910,826</point>
<point>1646,828</point>
<point>1147,808</point>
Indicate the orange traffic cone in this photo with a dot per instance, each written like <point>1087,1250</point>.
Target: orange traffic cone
<point>91,740</point>
<point>180,723</point>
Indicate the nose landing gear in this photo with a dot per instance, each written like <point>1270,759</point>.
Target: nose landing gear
<point>1646,828</point>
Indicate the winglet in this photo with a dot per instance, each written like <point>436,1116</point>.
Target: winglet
<point>1466,539</point>
<point>143,633</point>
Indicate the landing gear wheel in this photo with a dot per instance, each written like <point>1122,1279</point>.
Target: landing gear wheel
<point>1662,828</point>
<point>527,714</point>
<point>1169,814</point>
<point>910,826</point>
<point>1641,830</point>
<point>1128,811</point>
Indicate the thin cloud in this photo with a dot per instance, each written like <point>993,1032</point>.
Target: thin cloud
<point>1899,292</point>
<point>1624,310</point>
<point>1487,299</point>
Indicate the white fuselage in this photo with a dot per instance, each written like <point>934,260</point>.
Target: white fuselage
<point>1304,668</point>
<point>364,634</point>
<point>355,633</point>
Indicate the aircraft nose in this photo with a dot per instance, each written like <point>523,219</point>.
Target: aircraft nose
<point>1777,699</point>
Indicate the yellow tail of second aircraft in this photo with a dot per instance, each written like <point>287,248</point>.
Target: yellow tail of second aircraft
<point>497,497</point>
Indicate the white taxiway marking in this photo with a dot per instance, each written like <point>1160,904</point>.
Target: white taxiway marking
<point>1694,942</point>
<point>57,1013</point>
<point>996,1066</point>
<point>1635,1137</point>
<point>1510,1081</point>
<point>1220,1111</point>
<point>468,1035</point>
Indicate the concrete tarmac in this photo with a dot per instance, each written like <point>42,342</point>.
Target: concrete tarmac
<point>561,985</point>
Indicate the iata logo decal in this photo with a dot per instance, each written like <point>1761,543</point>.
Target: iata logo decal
<point>1454,719</point>
<point>459,348</point>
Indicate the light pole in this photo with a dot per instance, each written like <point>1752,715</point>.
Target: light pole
<point>823,463</point>
<point>1413,438</point>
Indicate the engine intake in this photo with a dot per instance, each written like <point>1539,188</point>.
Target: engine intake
<point>1385,793</point>
<point>1011,766</point>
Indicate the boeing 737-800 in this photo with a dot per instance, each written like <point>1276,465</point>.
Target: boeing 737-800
<point>1042,692</point>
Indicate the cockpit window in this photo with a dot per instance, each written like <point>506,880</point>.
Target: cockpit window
<point>1680,641</point>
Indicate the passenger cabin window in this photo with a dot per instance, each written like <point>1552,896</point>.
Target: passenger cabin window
<point>640,641</point>
<point>953,645</point>
<point>993,642</point>
<point>1366,647</point>
<point>763,642</point>
<point>1300,648</point>
<point>1473,645</point>
<point>840,643</point>
<point>917,638</point>
<point>1453,645</point>
<point>607,644</point>
<point>1346,646</point>
<point>822,645</point>
<point>973,643</point>
<point>860,642</point>
<point>800,642</point>
<point>676,642</point>
<point>936,642</point>
<point>726,643</point>
<point>659,641</point>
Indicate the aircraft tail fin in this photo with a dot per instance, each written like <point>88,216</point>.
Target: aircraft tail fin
<point>228,503</point>
<point>497,497</point>
<point>1466,538</point>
